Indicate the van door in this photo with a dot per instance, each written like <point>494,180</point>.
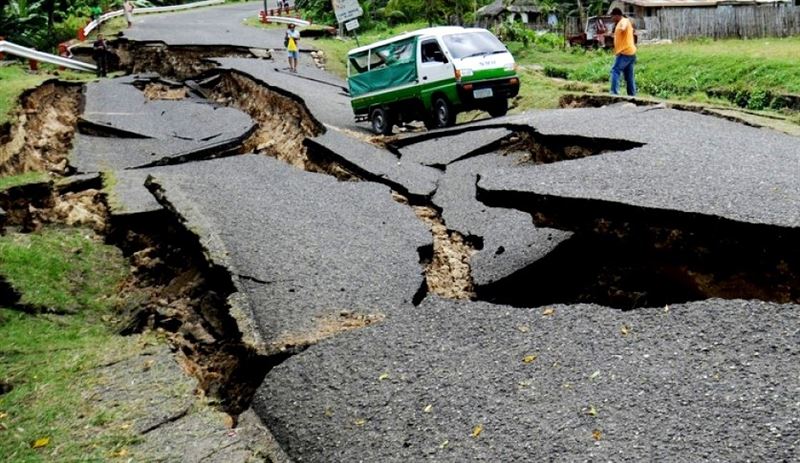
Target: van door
<point>435,70</point>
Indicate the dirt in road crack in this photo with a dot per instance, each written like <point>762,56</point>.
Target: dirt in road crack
<point>41,137</point>
<point>283,122</point>
<point>183,295</point>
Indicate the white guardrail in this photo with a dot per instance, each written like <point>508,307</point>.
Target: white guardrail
<point>150,9</point>
<point>287,20</point>
<point>30,53</point>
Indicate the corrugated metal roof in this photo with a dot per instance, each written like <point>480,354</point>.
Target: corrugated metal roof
<point>499,6</point>
<point>695,3</point>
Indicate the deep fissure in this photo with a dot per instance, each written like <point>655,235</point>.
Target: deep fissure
<point>630,257</point>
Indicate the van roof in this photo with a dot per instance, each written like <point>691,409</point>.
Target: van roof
<point>440,30</point>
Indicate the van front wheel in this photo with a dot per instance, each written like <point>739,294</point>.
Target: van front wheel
<point>443,114</point>
<point>381,120</point>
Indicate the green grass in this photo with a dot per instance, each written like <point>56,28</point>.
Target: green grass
<point>62,269</point>
<point>21,179</point>
<point>16,78</point>
<point>744,73</point>
<point>49,359</point>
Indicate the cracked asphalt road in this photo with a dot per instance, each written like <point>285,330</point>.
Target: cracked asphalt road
<point>335,266</point>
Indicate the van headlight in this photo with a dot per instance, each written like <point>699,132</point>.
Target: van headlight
<point>510,67</point>
<point>466,72</point>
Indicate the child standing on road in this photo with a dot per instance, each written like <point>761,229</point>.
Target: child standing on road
<point>292,36</point>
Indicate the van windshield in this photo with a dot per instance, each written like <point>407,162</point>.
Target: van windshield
<point>467,44</point>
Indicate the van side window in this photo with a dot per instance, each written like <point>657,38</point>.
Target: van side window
<point>432,52</point>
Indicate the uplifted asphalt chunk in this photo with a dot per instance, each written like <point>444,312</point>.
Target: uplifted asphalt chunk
<point>310,256</point>
<point>124,130</point>
<point>509,240</point>
<point>439,150</point>
<point>324,95</point>
<point>466,381</point>
<point>690,163</point>
<point>372,163</point>
<point>124,109</point>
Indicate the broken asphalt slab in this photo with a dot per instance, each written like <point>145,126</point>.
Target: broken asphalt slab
<point>308,255</point>
<point>325,97</point>
<point>124,109</point>
<point>466,381</point>
<point>372,163</point>
<point>509,241</point>
<point>690,163</point>
<point>439,150</point>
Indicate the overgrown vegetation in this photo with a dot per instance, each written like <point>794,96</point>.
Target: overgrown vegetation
<point>46,360</point>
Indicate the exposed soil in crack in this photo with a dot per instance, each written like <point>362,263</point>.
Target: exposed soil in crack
<point>447,263</point>
<point>283,122</point>
<point>326,326</point>
<point>179,62</point>
<point>30,207</point>
<point>41,138</point>
<point>447,270</point>
<point>159,91</point>
<point>536,148</point>
<point>630,257</point>
<point>180,293</point>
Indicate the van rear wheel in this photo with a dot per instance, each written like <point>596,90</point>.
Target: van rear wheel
<point>443,114</point>
<point>382,121</point>
<point>498,107</point>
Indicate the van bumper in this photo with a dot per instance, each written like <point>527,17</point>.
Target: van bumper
<point>507,87</point>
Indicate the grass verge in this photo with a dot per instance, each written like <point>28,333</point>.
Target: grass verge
<point>48,360</point>
<point>21,179</point>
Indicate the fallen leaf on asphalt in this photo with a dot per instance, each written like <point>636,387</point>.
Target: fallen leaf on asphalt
<point>383,376</point>
<point>360,422</point>
<point>444,444</point>
<point>41,442</point>
<point>549,311</point>
<point>624,330</point>
<point>597,434</point>
<point>528,358</point>
<point>428,408</point>
<point>523,328</point>
<point>477,430</point>
<point>591,411</point>
<point>594,375</point>
<point>666,308</point>
<point>328,412</point>
<point>148,365</point>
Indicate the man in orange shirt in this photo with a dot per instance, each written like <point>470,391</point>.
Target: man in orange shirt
<point>625,51</point>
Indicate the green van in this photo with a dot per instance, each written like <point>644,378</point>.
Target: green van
<point>430,75</point>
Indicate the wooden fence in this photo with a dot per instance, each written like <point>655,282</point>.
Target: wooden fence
<point>725,21</point>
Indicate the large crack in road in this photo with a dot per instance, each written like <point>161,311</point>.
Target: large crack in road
<point>617,256</point>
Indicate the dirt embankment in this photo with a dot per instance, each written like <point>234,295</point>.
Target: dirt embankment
<point>41,137</point>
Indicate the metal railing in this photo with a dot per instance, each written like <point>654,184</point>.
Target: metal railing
<point>35,55</point>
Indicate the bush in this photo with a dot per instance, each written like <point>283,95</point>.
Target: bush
<point>557,72</point>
